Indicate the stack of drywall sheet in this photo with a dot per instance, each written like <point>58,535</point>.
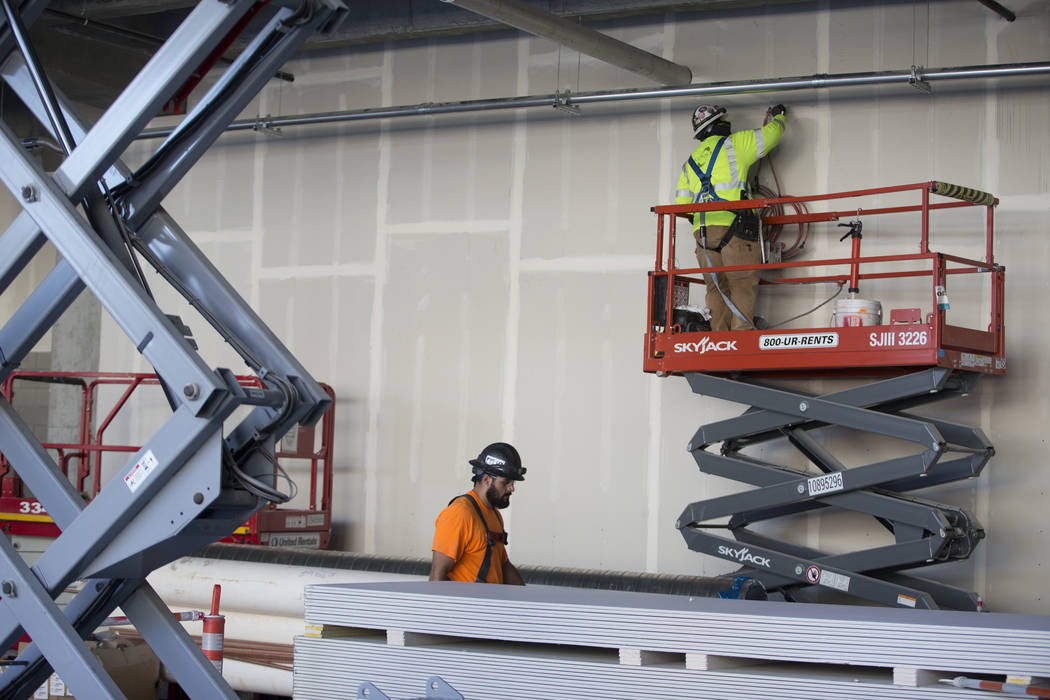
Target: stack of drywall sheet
<point>329,668</point>
<point>534,642</point>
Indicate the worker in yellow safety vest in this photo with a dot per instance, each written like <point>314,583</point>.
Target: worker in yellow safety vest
<point>717,170</point>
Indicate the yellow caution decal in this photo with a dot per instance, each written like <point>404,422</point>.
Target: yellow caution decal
<point>26,517</point>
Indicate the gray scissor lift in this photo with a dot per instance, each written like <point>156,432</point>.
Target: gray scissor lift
<point>196,479</point>
<point>924,532</point>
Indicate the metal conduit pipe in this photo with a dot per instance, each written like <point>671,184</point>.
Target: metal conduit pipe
<point>576,36</point>
<point>813,82</point>
<point>722,586</point>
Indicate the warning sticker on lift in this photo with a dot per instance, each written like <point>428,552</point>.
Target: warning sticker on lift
<point>906,600</point>
<point>827,578</point>
<point>141,471</point>
<point>969,359</point>
<point>798,341</point>
<point>827,483</point>
<point>833,580</point>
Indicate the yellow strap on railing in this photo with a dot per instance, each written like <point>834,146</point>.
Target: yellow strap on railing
<point>967,194</point>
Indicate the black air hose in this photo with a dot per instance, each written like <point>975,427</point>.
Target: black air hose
<point>695,586</point>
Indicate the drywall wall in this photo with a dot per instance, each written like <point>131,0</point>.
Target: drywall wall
<point>472,278</point>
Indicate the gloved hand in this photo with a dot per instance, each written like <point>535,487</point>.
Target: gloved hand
<point>777,109</point>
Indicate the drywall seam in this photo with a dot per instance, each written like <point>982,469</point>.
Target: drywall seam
<point>514,235</point>
<point>257,230</point>
<point>472,140</point>
<point>606,402</point>
<point>665,140</point>
<point>287,272</point>
<point>589,263</point>
<point>376,353</point>
<point>990,160</point>
<point>466,364</point>
<point>426,196</point>
<point>428,227</point>
<point>416,457</point>
<point>228,235</point>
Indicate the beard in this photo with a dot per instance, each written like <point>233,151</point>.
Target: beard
<point>497,501</point>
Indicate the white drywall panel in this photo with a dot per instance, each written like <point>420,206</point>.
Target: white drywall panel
<point>219,197</point>
<point>443,350</point>
<point>295,305</point>
<point>577,390</point>
<point>348,371</point>
<point>591,159</point>
<point>300,224</point>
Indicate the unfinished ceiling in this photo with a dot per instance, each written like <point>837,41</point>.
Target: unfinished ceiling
<point>91,49</point>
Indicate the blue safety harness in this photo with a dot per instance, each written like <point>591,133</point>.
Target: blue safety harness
<point>707,190</point>
<point>707,194</point>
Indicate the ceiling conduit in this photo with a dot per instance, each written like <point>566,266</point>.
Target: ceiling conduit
<point>576,36</point>
<point>915,76</point>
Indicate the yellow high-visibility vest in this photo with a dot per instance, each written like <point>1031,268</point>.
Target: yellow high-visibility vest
<point>728,175</point>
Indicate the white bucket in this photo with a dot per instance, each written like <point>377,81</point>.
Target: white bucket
<point>857,312</point>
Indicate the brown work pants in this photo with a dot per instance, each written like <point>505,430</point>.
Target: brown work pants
<point>741,286</point>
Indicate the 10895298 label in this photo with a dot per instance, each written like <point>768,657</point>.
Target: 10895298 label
<point>827,483</point>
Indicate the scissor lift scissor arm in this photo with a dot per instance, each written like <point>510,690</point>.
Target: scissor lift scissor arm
<point>175,494</point>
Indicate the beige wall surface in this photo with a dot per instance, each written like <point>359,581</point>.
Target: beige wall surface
<point>465,279</point>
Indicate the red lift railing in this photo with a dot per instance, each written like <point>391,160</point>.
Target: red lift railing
<point>23,515</point>
<point>888,348</point>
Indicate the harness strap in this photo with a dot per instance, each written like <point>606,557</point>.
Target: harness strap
<point>490,537</point>
<point>728,236</point>
<point>714,277</point>
<point>707,192</point>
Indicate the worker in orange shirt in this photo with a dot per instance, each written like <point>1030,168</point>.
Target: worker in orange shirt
<point>470,543</point>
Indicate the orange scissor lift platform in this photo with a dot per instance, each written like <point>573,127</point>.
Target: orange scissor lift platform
<point>105,396</point>
<point>909,340</point>
<point>917,356</point>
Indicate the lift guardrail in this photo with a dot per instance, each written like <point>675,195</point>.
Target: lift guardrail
<point>909,339</point>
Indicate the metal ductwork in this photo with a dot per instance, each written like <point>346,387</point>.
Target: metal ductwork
<point>576,36</point>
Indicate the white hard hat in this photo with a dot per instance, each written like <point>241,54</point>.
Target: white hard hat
<point>704,116</point>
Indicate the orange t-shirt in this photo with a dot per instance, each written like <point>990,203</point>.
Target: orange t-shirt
<point>459,535</point>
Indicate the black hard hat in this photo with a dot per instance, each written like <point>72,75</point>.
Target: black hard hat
<point>499,459</point>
